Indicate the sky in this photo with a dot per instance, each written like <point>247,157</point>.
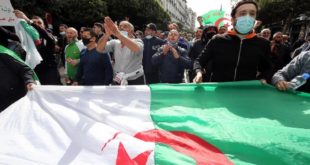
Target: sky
<point>203,6</point>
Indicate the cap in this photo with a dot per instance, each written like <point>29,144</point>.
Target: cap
<point>151,26</point>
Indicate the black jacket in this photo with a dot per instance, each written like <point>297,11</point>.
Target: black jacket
<point>228,58</point>
<point>14,78</point>
<point>150,48</point>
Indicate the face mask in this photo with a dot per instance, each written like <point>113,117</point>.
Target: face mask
<point>148,37</point>
<point>62,33</point>
<point>173,44</point>
<point>86,41</point>
<point>245,24</point>
<point>124,33</point>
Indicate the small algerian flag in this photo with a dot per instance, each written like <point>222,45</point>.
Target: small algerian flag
<point>207,124</point>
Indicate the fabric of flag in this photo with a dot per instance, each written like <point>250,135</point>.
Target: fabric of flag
<point>217,123</point>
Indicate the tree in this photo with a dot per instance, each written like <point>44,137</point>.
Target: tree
<point>82,12</point>
<point>140,12</point>
<point>282,10</point>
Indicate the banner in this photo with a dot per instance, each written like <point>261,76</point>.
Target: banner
<point>7,17</point>
<point>184,124</point>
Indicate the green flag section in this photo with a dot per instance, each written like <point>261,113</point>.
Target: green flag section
<point>244,123</point>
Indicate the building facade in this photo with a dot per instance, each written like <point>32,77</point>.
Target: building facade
<point>179,12</point>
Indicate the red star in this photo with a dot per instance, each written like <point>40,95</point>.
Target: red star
<point>124,159</point>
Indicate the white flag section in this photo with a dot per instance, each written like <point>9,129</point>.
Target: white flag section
<point>76,125</point>
<point>7,17</point>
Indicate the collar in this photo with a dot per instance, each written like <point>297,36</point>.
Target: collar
<point>248,36</point>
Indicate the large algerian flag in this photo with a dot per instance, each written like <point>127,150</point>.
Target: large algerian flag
<point>228,123</point>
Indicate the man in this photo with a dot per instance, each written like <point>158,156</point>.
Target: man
<point>61,42</point>
<point>16,78</point>
<point>72,53</point>
<point>98,29</point>
<point>304,47</point>
<point>222,29</point>
<point>286,40</point>
<point>198,34</point>
<point>171,60</point>
<point>128,52</point>
<point>207,34</point>
<point>151,44</point>
<point>298,66</point>
<point>239,54</point>
<point>47,70</point>
<point>94,68</point>
<point>280,54</point>
<point>266,33</point>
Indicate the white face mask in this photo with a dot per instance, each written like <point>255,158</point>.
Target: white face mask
<point>124,33</point>
<point>148,37</point>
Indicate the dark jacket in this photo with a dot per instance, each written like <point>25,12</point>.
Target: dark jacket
<point>171,70</point>
<point>94,68</point>
<point>14,78</point>
<point>230,59</point>
<point>150,48</point>
<point>47,70</point>
<point>280,56</point>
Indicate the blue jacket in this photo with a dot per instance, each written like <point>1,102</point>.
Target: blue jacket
<point>150,48</point>
<point>171,70</point>
<point>94,68</point>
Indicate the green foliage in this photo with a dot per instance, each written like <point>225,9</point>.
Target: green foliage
<point>140,12</point>
<point>280,10</point>
<point>85,12</point>
<point>82,12</point>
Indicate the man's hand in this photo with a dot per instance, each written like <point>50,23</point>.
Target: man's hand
<point>175,53</point>
<point>166,49</point>
<point>108,32</point>
<point>20,14</point>
<point>282,85</point>
<point>75,83</point>
<point>198,78</point>
<point>72,61</point>
<point>263,81</point>
<point>30,86</point>
<point>112,28</point>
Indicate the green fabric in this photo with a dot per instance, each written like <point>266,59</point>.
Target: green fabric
<point>9,52</point>
<point>249,122</point>
<point>212,16</point>
<point>72,51</point>
<point>33,33</point>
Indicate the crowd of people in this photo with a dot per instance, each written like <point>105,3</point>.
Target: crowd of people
<point>115,54</point>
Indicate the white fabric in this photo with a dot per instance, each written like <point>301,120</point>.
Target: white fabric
<point>33,57</point>
<point>70,125</point>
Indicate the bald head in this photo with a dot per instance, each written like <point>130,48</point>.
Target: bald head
<point>71,34</point>
<point>127,26</point>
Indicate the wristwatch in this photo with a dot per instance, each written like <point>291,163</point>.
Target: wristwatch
<point>30,22</point>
